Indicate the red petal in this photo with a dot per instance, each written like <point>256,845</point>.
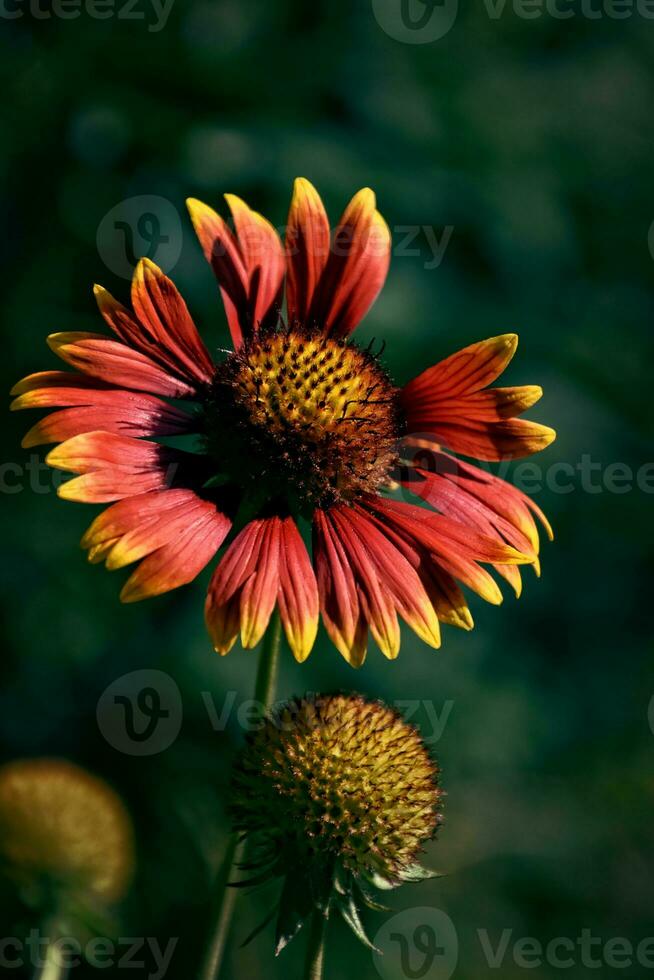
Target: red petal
<point>181,559</point>
<point>112,466</point>
<point>451,493</point>
<point>446,402</point>
<point>298,592</point>
<point>96,407</point>
<point>55,379</point>
<point>116,364</point>
<point>356,268</point>
<point>264,259</point>
<point>374,592</point>
<point>249,266</point>
<point>165,329</point>
<point>244,587</point>
<point>491,405</point>
<point>339,600</point>
<point>224,255</point>
<point>307,248</point>
<point>510,439</point>
<point>178,530</point>
<point>469,370</point>
<point>457,548</point>
<point>398,576</point>
<point>443,592</point>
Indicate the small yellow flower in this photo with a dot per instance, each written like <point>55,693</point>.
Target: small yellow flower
<point>66,839</point>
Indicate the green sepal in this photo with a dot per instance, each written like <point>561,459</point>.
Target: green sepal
<point>369,899</point>
<point>219,480</point>
<point>348,909</point>
<point>416,872</point>
<point>302,894</point>
<point>382,883</point>
<point>295,907</point>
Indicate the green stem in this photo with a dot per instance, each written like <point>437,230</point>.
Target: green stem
<point>266,684</point>
<point>223,910</point>
<point>315,961</point>
<point>52,967</point>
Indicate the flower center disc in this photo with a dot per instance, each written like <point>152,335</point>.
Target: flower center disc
<point>313,417</point>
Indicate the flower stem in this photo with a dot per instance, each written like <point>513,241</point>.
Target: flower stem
<point>313,969</point>
<point>266,683</point>
<point>52,966</point>
<point>223,910</point>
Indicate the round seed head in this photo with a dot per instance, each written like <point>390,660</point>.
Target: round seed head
<point>65,837</point>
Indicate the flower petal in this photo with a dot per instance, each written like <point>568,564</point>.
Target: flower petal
<point>457,548</point>
<point>399,576</point>
<point>298,591</point>
<point>446,402</point>
<point>116,364</point>
<point>339,599</point>
<point>307,248</point>
<point>244,587</point>
<point>466,371</point>
<point>54,379</point>
<point>356,268</point>
<point>493,442</point>
<point>165,330</point>
<point>444,594</point>
<point>222,252</point>
<point>374,592</point>
<point>491,405</point>
<point>95,406</point>
<point>112,466</point>
<point>249,266</point>
<point>264,260</point>
<point>178,530</point>
<point>181,559</point>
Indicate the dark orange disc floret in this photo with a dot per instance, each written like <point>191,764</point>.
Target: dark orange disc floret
<point>312,418</point>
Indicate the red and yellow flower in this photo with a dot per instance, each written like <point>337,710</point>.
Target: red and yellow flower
<point>296,426</point>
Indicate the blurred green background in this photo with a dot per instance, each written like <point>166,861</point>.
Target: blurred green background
<point>526,147</point>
